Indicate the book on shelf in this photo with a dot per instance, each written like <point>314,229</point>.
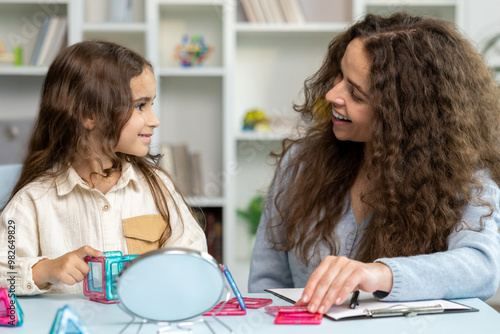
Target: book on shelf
<point>276,11</point>
<point>197,185</point>
<point>51,38</point>
<point>167,159</point>
<point>257,9</point>
<point>248,10</point>
<point>214,233</point>
<point>95,11</point>
<point>41,36</point>
<point>49,35</point>
<point>120,11</point>
<point>58,42</point>
<point>184,167</point>
<point>182,163</point>
<point>273,11</point>
<point>210,220</point>
<point>292,11</point>
<point>266,11</point>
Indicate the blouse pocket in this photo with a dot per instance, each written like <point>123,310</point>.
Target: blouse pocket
<point>143,233</point>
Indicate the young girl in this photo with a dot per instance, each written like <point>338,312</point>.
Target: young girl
<point>394,188</point>
<point>88,184</point>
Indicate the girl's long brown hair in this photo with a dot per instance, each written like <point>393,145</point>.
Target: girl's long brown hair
<point>89,80</point>
<point>436,122</point>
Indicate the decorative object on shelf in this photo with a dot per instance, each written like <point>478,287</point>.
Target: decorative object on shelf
<point>252,214</point>
<point>490,45</point>
<point>18,56</point>
<point>5,57</point>
<point>193,52</point>
<point>256,120</point>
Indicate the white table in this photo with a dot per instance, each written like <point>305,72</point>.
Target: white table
<point>39,313</point>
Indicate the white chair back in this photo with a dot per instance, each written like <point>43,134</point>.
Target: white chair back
<point>9,174</point>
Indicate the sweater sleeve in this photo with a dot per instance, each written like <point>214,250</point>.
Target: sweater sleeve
<point>469,268</point>
<point>19,247</point>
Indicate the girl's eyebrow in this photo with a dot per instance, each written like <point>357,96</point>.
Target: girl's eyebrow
<point>144,99</point>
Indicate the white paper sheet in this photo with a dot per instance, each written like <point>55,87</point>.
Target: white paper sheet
<point>368,302</point>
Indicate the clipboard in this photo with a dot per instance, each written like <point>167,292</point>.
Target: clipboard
<point>369,307</point>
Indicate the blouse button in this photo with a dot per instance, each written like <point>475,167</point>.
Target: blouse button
<point>29,287</point>
<point>106,207</point>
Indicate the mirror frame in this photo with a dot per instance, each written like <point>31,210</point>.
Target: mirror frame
<point>213,272</point>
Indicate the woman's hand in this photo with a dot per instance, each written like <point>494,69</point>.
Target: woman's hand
<point>337,277</point>
<point>67,269</point>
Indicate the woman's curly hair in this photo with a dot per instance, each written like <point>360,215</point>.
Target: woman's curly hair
<point>436,116</point>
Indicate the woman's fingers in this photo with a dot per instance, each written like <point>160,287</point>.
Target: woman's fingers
<point>338,285</point>
<point>313,282</point>
<point>337,277</point>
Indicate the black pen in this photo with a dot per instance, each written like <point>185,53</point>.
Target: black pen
<point>354,300</point>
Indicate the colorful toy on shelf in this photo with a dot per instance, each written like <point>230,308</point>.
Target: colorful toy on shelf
<point>194,52</point>
<point>10,311</point>
<point>256,120</point>
<point>100,284</point>
<point>10,58</point>
<point>67,321</point>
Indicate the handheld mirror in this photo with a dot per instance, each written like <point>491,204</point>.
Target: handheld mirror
<point>170,284</point>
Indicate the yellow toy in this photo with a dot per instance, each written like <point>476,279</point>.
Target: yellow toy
<point>256,120</point>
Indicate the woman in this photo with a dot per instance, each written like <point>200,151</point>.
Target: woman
<point>394,188</point>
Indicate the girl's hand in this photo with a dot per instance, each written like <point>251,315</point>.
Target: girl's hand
<point>337,277</point>
<point>67,269</point>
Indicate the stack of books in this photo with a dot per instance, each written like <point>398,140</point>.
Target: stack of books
<point>51,38</point>
<point>184,167</point>
<point>273,11</point>
<point>114,11</point>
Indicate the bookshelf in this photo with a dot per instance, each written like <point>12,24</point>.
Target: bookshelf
<point>254,65</point>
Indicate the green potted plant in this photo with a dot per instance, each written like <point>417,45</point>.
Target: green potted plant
<point>488,46</point>
<point>253,212</point>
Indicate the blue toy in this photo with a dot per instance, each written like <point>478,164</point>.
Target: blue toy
<point>67,321</point>
<point>100,284</point>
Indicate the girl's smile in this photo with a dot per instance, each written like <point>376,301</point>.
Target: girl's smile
<point>146,138</point>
